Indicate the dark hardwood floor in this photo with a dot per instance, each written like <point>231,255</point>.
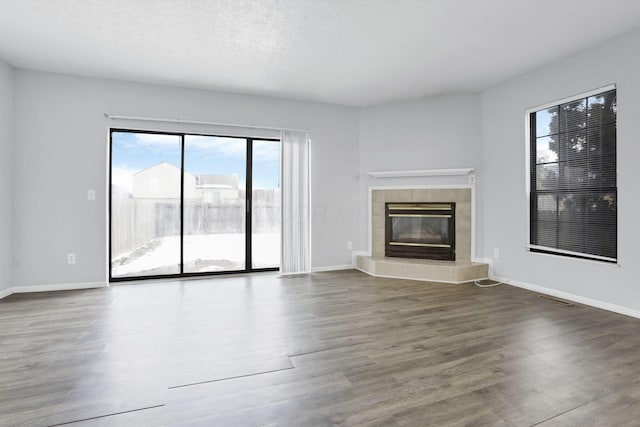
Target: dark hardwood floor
<point>338,348</point>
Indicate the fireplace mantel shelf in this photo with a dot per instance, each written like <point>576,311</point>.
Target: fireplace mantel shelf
<point>425,172</point>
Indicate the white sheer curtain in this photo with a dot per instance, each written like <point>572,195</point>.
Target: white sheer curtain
<point>296,239</point>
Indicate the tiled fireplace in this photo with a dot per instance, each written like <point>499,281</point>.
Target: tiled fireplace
<point>455,269</point>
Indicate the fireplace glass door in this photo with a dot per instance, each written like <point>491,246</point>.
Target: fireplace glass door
<point>420,230</point>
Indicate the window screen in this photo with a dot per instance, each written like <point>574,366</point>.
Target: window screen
<point>573,193</point>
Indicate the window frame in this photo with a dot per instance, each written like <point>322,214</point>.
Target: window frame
<point>545,250</point>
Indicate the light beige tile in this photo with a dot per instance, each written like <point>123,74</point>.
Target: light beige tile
<point>473,272</point>
<point>425,270</point>
<point>365,263</point>
<point>377,196</point>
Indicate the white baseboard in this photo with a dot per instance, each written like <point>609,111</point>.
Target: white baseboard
<point>332,268</point>
<point>5,292</point>
<point>55,287</point>
<point>571,297</point>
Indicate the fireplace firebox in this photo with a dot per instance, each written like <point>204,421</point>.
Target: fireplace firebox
<point>420,230</point>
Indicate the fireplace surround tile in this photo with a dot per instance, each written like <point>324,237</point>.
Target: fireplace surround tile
<point>461,196</point>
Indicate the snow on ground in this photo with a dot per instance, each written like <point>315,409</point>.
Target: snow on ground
<point>212,252</point>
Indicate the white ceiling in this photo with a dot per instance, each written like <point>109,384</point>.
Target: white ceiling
<point>352,52</point>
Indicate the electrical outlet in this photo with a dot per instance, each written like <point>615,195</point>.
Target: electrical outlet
<point>71,258</point>
<point>496,253</point>
<point>349,245</point>
<point>472,179</point>
<point>91,195</point>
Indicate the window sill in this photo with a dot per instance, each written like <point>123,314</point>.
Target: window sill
<point>570,258</point>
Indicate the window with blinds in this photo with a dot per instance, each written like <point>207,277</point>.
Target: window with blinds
<point>573,193</point>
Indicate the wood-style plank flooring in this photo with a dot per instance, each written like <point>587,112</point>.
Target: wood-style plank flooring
<point>338,348</point>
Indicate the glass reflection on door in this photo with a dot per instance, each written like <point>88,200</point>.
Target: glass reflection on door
<point>145,204</point>
<point>214,204</point>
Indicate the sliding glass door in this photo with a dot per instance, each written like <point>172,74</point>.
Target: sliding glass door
<point>215,211</point>
<point>145,204</point>
<point>185,205</point>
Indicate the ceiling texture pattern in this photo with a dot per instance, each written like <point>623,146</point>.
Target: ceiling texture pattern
<point>349,52</point>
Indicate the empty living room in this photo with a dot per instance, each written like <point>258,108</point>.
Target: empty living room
<point>319,213</point>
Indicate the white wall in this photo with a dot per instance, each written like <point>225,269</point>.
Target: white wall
<point>504,169</point>
<point>6,162</point>
<point>61,152</point>
<point>428,133</point>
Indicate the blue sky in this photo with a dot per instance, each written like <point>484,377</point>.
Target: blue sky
<point>132,152</point>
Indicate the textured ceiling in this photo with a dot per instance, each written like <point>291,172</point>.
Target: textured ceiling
<point>352,52</point>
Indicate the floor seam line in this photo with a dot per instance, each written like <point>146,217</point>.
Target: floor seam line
<point>229,378</point>
<point>565,412</point>
<point>106,415</point>
<point>326,349</point>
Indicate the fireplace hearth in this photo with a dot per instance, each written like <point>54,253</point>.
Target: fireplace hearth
<point>420,230</point>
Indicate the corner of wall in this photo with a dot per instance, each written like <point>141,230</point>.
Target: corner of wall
<point>6,178</point>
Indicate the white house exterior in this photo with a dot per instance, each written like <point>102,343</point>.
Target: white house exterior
<point>162,181</point>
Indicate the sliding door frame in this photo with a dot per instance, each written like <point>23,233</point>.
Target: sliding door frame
<point>248,229</point>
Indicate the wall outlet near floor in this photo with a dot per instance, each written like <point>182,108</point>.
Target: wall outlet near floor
<point>71,258</point>
<point>496,253</point>
<point>91,194</point>
<point>349,245</point>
